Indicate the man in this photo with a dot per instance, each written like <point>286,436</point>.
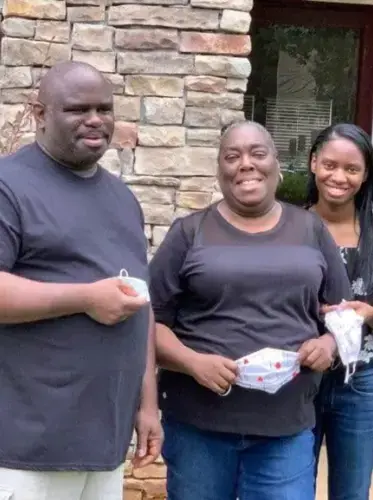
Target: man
<point>75,342</point>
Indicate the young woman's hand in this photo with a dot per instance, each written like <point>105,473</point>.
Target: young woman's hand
<point>361,308</point>
<point>318,354</point>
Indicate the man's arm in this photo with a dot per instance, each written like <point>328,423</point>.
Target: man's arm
<point>107,301</point>
<point>149,398</point>
<point>23,300</point>
<point>148,426</point>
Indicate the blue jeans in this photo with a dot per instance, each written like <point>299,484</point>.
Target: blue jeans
<point>345,420</point>
<point>219,466</point>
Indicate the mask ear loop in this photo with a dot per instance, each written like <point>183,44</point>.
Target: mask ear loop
<point>336,364</point>
<point>349,373</point>
<point>123,273</point>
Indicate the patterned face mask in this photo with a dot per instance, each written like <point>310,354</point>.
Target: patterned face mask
<point>346,327</point>
<point>267,370</point>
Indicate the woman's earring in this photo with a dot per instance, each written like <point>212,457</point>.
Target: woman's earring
<point>281,176</point>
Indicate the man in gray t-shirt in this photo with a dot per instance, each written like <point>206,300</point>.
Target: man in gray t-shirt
<point>77,369</point>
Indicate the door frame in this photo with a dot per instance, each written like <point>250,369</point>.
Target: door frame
<point>320,14</point>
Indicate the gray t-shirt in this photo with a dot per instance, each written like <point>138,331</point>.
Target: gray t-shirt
<point>69,386</point>
<point>227,292</point>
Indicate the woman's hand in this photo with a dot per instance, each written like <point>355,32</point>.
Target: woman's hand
<point>361,308</point>
<point>217,373</point>
<point>318,354</point>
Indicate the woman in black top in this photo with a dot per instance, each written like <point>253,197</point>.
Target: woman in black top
<point>341,193</point>
<point>244,274</point>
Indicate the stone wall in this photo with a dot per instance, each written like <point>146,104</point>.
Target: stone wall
<point>179,69</point>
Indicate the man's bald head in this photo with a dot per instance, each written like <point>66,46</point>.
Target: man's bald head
<point>64,75</point>
<point>74,114</point>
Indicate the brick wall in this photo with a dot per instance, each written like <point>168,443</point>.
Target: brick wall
<point>179,68</point>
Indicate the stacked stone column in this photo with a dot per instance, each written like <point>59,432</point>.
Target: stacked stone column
<point>179,70</point>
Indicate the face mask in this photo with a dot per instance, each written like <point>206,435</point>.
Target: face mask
<point>137,284</point>
<point>267,370</point>
<point>346,327</point>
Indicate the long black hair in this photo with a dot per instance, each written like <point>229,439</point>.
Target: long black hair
<point>363,199</point>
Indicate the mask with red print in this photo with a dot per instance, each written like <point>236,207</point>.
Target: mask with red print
<point>267,370</point>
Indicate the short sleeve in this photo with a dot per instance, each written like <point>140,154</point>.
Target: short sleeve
<point>336,285</point>
<point>165,277</point>
<point>10,229</point>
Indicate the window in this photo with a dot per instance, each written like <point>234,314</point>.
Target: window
<point>305,75</point>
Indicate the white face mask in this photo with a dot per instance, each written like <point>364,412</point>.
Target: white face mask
<point>137,284</point>
<point>267,370</point>
<point>346,327</point>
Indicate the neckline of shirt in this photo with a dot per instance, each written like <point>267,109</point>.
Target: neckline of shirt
<point>57,166</point>
<point>222,220</point>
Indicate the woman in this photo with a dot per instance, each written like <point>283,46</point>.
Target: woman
<point>341,192</point>
<point>244,274</point>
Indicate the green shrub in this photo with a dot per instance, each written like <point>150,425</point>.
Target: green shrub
<point>293,188</point>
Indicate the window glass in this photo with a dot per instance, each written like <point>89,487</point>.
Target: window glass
<point>303,79</point>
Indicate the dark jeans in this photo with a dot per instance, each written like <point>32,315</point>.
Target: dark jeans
<point>219,466</point>
<point>345,420</point>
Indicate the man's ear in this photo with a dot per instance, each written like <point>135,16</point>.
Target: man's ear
<point>38,111</point>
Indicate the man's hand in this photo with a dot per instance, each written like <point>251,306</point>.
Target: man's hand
<point>318,354</point>
<point>109,301</point>
<point>214,372</point>
<point>149,437</point>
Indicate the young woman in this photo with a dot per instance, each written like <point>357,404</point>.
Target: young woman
<point>341,193</point>
<point>243,274</point>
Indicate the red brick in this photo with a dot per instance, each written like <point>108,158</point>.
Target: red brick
<point>211,84</point>
<point>125,135</point>
<point>133,495</point>
<point>155,471</point>
<point>215,43</point>
<point>153,488</point>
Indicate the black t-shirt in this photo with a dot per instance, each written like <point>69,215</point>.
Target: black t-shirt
<point>69,386</point>
<point>227,292</point>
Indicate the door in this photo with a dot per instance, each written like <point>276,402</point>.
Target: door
<point>312,66</point>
